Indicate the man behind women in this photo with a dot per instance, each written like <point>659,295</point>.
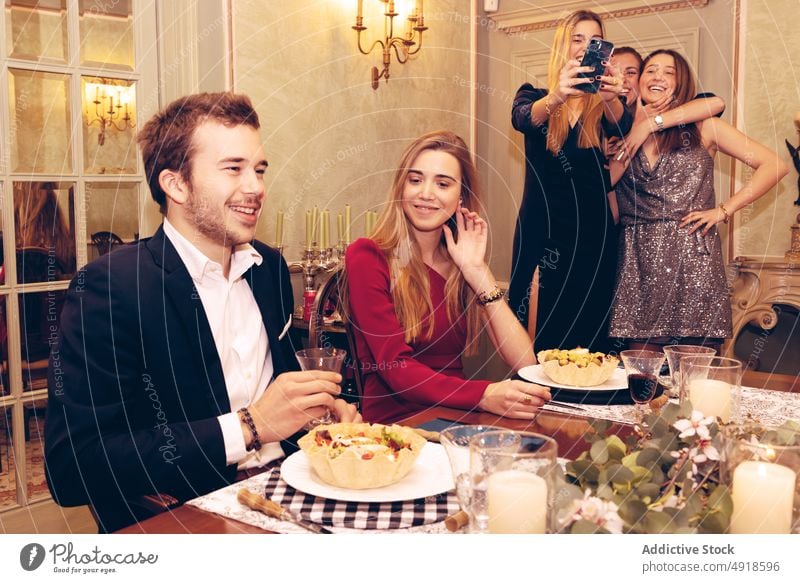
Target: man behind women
<point>419,292</point>
<point>174,368</point>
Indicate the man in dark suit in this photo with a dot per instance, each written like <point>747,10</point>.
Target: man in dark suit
<point>174,368</point>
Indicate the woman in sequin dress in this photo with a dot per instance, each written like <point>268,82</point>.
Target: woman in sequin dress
<point>671,281</point>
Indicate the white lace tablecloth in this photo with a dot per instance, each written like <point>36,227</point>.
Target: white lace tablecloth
<point>224,502</point>
<point>768,407</point>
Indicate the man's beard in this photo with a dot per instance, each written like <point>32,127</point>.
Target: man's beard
<point>210,223</point>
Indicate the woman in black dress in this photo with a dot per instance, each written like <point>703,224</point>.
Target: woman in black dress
<point>565,227</point>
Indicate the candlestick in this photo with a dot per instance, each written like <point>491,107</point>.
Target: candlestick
<point>325,228</point>
<point>762,498</point>
<point>712,397</point>
<point>340,227</point>
<point>309,228</point>
<point>517,502</point>
<point>347,221</point>
<point>315,225</point>
<point>279,229</point>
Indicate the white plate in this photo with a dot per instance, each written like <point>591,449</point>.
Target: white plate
<point>430,475</point>
<point>535,374</point>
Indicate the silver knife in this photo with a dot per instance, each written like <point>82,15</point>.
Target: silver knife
<point>275,510</point>
<point>564,405</point>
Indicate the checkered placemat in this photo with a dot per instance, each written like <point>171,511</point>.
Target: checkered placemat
<point>361,515</point>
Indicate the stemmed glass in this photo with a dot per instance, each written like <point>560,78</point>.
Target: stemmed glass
<point>675,352</point>
<point>642,368</point>
<point>329,359</point>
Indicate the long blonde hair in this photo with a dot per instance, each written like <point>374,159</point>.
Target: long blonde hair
<point>410,280</point>
<point>591,103</point>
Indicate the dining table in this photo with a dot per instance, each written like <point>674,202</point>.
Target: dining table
<point>567,429</point>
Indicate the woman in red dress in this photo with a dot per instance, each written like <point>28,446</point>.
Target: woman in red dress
<point>419,292</point>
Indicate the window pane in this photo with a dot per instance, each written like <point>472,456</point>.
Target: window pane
<point>36,28</point>
<point>39,316</point>
<point>34,449</point>
<point>8,487</point>
<point>45,227</point>
<point>109,119</point>
<point>112,216</point>
<point>40,128</point>
<point>107,34</point>
<point>5,389</point>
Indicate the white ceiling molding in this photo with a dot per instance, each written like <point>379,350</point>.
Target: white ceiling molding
<point>547,13</point>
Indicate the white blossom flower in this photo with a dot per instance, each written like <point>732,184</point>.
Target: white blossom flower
<point>697,425</point>
<point>593,509</point>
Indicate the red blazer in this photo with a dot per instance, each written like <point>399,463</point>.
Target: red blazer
<point>402,379</point>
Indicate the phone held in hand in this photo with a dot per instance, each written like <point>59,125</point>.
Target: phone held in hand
<point>598,52</point>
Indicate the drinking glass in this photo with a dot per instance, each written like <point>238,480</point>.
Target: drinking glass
<point>642,368</point>
<point>455,441</point>
<point>329,359</point>
<point>513,479</point>
<point>712,385</point>
<point>675,352</point>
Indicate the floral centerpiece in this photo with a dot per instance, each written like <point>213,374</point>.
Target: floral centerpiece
<point>662,480</point>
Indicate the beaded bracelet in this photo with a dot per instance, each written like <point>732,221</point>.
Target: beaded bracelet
<point>490,296</point>
<point>724,212</point>
<point>255,445</point>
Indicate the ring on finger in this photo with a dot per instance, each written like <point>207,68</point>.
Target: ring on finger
<point>527,400</point>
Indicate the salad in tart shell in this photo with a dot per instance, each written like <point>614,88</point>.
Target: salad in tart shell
<point>578,367</point>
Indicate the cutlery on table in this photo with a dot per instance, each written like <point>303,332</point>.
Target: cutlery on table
<point>273,509</point>
<point>563,405</point>
<point>427,435</point>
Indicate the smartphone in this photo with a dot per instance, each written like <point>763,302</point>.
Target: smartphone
<point>598,52</point>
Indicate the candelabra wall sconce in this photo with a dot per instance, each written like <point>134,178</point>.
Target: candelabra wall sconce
<point>403,46</point>
<point>109,105</point>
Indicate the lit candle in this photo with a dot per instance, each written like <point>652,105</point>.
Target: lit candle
<point>517,503</point>
<point>712,397</point>
<point>279,229</point>
<point>340,227</point>
<point>308,229</point>
<point>762,498</point>
<point>347,220</point>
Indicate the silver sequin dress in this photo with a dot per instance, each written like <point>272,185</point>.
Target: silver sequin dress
<point>669,283</point>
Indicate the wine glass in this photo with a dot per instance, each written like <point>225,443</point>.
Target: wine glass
<point>329,359</point>
<point>642,368</point>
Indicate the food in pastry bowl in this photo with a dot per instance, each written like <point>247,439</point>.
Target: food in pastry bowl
<point>361,455</point>
<point>577,367</point>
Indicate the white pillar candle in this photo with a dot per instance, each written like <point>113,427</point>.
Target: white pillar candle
<point>762,498</point>
<point>712,397</point>
<point>279,229</point>
<point>517,503</point>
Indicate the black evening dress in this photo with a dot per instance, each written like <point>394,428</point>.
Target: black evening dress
<point>566,228</point>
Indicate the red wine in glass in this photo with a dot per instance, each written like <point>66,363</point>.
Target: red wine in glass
<point>642,387</point>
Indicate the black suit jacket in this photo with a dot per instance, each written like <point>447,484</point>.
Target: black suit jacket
<point>136,384</point>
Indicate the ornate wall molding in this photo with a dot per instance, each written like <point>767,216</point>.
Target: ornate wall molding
<point>547,13</point>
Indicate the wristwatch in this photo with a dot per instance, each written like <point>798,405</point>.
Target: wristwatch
<point>659,122</point>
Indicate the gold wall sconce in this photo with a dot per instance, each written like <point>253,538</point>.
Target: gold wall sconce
<point>403,46</point>
<point>109,105</point>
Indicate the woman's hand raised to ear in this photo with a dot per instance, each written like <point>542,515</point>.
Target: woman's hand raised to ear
<point>469,253</point>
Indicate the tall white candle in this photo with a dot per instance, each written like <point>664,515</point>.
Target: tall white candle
<point>712,397</point>
<point>347,220</point>
<point>762,498</point>
<point>309,228</point>
<point>517,503</point>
